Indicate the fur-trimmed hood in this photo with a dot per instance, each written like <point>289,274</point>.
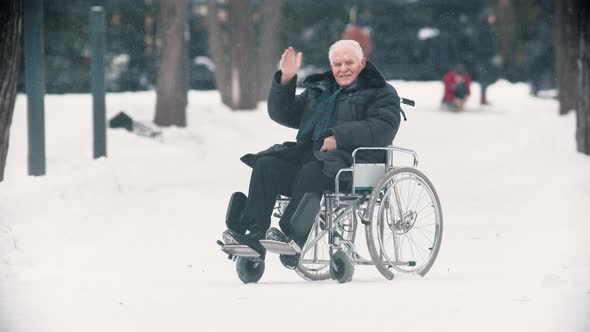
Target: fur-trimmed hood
<point>370,77</point>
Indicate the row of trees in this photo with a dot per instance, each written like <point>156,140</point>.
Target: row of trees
<point>244,43</point>
<point>308,25</point>
<point>240,56</point>
<point>244,38</point>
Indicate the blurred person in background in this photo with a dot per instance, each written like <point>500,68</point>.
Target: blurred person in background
<point>540,59</point>
<point>457,85</point>
<point>487,58</point>
<point>358,30</point>
<point>360,34</point>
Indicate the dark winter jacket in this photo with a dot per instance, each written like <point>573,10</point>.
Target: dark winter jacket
<point>367,115</point>
<point>487,71</point>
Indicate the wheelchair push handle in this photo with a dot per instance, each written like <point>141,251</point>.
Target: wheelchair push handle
<point>407,101</point>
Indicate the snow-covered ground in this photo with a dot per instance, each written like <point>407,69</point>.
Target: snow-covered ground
<point>127,243</point>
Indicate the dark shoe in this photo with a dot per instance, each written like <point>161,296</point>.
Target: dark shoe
<point>289,261</point>
<point>276,235</point>
<point>227,237</point>
<point>251,240</point>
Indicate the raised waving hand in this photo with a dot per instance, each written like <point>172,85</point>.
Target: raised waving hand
<point>290,64</point>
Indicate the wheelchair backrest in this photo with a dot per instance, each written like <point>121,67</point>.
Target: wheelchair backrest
<point>366,176</point>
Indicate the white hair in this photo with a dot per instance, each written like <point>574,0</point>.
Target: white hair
<point>348,43</point>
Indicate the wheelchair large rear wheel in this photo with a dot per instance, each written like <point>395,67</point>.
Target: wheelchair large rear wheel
<point>405,223</point>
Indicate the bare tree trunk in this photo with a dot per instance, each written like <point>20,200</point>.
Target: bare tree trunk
<point>11,27</point>
<point>171,96</point>
<point>506,27</point>
<point>235,50</point>
<point>583,106</point>
<point>566,55</point>
<point>269,51</point>
<point>244,60</point>
<point>218,46</point>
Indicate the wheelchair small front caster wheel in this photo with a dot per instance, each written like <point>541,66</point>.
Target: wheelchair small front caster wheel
<point>249,270</point>
<point>341,267</point>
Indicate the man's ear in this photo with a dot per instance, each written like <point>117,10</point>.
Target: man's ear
<point>363,62</point>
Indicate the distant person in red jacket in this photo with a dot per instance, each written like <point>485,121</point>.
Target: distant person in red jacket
<point>457,88</point>
<point>361,35</point>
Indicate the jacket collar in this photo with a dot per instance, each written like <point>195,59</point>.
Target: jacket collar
<point>370,77</point>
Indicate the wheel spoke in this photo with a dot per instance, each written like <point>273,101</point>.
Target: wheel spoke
<point>411,251</point>
<point>421,232</point>
<point>410,197</point>
<point>419,197</point>
<point>411,240</point>
<point>411,244</point>
<point>416,245</point>
<point>392,200</point>
<point>425,215</point>
<point>421,228</point>
<point>429,204</point>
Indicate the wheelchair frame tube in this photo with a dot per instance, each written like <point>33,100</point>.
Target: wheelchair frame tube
<point>389,164</point>
<point>390,150</point>
<point>337,183</point>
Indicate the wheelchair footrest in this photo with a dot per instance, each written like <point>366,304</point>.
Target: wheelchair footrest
<point>239,250</point>
<point>281,248</point>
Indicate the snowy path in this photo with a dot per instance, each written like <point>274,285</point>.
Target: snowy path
<point>128,243</point>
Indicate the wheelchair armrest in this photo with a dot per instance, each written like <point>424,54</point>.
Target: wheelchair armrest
<point>389,150</point>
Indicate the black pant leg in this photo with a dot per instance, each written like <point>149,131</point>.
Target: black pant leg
<point>270,177</point>
<point>309,178</point>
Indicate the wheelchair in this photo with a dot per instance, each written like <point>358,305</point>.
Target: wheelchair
<point>398,206</point>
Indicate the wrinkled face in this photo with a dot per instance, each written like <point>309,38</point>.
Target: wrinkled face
<point>346,66</point>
